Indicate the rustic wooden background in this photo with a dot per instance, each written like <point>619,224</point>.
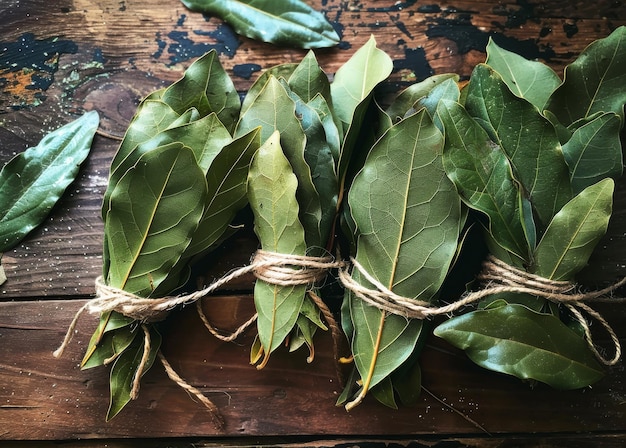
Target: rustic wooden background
<point>58,59</point>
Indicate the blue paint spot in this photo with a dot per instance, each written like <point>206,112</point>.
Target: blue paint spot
<point>227,41</point>
<point>245,71</point>
<point>415,60</point>
<point>181,20</point>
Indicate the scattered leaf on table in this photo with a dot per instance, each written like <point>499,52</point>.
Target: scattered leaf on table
<point>284,22</point>
<point>32,182</point>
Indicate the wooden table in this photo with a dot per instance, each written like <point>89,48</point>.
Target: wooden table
<point>58,59</point>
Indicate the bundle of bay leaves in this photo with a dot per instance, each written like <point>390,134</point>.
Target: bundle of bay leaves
<point>323,166</point>
<point>537,156</point>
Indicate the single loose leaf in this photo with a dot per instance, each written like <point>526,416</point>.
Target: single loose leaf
<point>272,196</point>
<point>407,213</point>
<point>34,180</point>
<point>155,208</point>
<point>594,82</point>
<point>531,80</point>
<point>515,340</point>
<point>285,22</point>
<point>574,232</point>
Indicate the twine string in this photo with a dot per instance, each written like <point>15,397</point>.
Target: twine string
<point>279,269</point>
<point>500,278</point>
<point>282,270</point>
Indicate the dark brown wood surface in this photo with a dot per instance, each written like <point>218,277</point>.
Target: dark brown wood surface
<point>58,59</point>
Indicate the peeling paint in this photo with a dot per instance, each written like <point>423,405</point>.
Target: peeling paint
<point>27,68</point>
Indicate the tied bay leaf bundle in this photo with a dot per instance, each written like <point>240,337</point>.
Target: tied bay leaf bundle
<point>176,183</point>
<point>315,124</point>
<point>537,157</point>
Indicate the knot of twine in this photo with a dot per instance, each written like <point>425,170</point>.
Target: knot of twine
<point>500,278</point>
<point>275,268</point>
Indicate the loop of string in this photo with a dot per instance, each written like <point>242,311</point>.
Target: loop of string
<point>501,278</point>
<point>274,268</point>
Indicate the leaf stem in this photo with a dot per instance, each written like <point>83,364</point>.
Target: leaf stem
<point>370,374</point>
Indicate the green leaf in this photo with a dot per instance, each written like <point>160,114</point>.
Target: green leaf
<point>272,196</point>
<point>407,214</point>
<point>206,137</point>
<point>227,180</point>
<point>287,22</point>
<point>155,208</point>
<point>594,82</point>
<point>406,100</point>
<point>309,80</point>
<point>33,181</point>
<point>574,232</point>
<point>482,174</point>
<point>446,90</point>
<point>273,110</point>
<point>110,347</point>
<point>283,71</point>
<point>206,87</point>
<point>318,156</point>
<point>351,92</point>
<point>526,137</point>
<point>531,80</point>
<point>331,129</point>
<point>125,369</point>
<point>594,152</point>
<point>515,340</point>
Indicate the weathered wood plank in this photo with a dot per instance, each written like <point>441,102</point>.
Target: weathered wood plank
<point>46,398</point>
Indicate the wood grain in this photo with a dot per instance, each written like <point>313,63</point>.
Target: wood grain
<point>59,59</point>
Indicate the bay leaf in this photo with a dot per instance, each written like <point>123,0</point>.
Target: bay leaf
<point>574,231</point>
<point>273,110</point>
<point>531,80</point>
<point>287,22</point>
<point>408,215</point>
<point>406,100</point>
<point>272,196</point>
<point>33,181</point>
<point>515,340</point>
<point>526,137</point>
<point>594,82</point>
<point>155,208</point>
<point>594,151</point>
<point>227,180</point>
<point>283,71</point>
<point>205,86</point>
<point>351,92</point>
<point>125,369</point>
<point>484,178</point>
